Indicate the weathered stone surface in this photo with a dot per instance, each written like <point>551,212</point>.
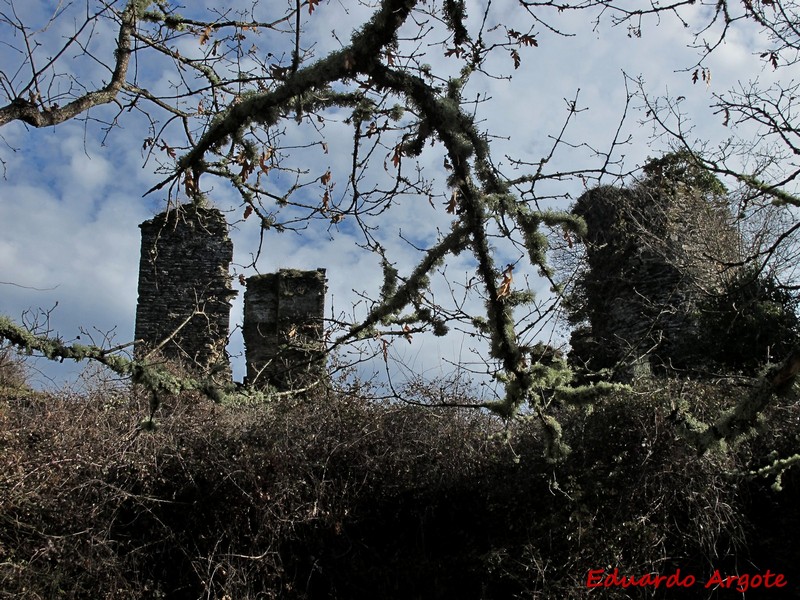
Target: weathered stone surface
<point>283,328</point>
<point>185,288</point>
<point>652,255</point>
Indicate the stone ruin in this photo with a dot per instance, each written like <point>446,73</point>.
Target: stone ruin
<point>185,289</point>
<point>185,296</point>
<point>283,328</point>
<point>653,252</point>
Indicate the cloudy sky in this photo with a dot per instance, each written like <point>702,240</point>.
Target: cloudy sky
<point>71,198</point>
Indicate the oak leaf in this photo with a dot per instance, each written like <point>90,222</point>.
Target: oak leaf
<point>189,183</point>
<point>262,160</point>
<point>169,150</point>
<point>398,152</point>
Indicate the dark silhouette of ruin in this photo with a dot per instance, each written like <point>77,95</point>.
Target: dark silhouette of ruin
<point>653,253</point>
<point>185,297</point>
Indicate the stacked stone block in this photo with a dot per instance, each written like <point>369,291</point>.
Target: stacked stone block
<point>283,329</point>
<point>185,288</point>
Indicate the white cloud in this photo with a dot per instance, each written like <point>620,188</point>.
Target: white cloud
<point>70,208</point>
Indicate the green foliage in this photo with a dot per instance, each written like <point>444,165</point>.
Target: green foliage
<point>752,322</point>
<point>682,167</point>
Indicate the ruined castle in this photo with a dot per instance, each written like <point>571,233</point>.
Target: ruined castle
<point>653,252</point>
<point>184,306</point>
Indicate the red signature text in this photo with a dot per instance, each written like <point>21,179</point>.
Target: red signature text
<point>600,578</point>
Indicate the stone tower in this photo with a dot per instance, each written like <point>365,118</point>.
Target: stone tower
<point>185,289</point>
<point>653,252</point>
<point>283,328</point>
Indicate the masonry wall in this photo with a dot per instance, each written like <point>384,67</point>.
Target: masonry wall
<point>185,288</point>
<point>283,328</point>
<point>652,257</point>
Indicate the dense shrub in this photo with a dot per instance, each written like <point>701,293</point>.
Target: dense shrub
<point>13,374</point>
<point>339,497</point>
<point>753,321</point>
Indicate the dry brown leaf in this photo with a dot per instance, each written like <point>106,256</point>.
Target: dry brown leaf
<point>205,35</point>
<point>262,161</point>
<point>505,286</point>
<point>452,205</point>
<point>247,165</point>
<point>567,237</point>
<point>189,182</point>
<point>166,148</point>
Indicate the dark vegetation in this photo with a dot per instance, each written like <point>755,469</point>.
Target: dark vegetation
<point>336,496</point>
<point>753,321</point>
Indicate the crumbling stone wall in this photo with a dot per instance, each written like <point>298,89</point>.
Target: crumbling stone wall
<point>653,251</point>
<point>185,288</point>
<point>283,328</point>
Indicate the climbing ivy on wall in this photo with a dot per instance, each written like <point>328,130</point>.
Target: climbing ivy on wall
<point>653,251</point>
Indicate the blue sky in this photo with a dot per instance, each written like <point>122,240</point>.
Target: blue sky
<point>71,200</point>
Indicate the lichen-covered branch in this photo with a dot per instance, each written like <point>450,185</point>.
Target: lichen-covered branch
<point>152,377</point>
<point>31,111</point>
<point>739,421</point>
<point>266,108</point>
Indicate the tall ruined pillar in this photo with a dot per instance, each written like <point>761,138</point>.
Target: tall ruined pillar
<point>283,327</point>
<point>185,289</point>
<point>653,252</point>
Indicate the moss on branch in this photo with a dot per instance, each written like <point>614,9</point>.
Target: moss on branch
<point>152,377</point>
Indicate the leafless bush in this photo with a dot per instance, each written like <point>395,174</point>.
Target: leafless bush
<point>337,496</point>
<point>12,368</point>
